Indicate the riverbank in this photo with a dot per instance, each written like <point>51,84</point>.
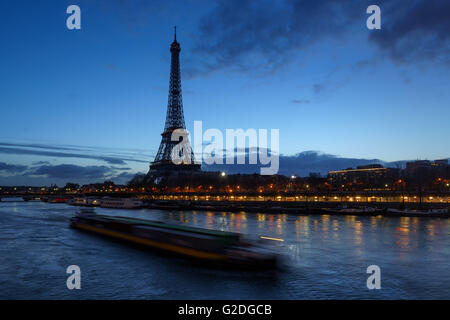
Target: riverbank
<point>395,209</point>
<point>305,208</point>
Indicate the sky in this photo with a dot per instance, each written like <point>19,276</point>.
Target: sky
<point>89,105</point>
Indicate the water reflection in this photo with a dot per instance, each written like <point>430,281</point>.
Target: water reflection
<point>306,228</point>
<point>358,233</point>
<point>430,233</point>
<point>279,225</point>
<point>316,223</point>
<point>209,220</point>
<point>373,223</point>
<point>271,224</point>
<point>240,222</point>
<point>194,217</point>
<point>297,228</point>
<point>297,231</point>
<point>325,222</point>
<point>335,229</point>
<point>261,218</point>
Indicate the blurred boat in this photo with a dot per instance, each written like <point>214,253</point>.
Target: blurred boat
<point>218,247</point>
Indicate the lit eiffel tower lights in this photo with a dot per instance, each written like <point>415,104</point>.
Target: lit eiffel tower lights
<point>175,152</point>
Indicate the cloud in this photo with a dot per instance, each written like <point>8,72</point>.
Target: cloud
<point>43,172</point>
<point>300,101</point>
<point>414,31</point>
<point>124,177</point>
<point>121,168</point>
<point>37,145</point>
<point>70,171</point>
<point>318,88</point>
<point>244,35</point>
<point>305,162</point>
<point>84,174</point>
<point>38,163</point>
<point>264,36</point>
<point>19,151</point>
<point>75,152</point>
<point>61,174</point>
<point>12,167</point>
<point>300,164</point>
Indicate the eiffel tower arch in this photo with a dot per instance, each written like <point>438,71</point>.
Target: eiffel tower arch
<point>164,162</point>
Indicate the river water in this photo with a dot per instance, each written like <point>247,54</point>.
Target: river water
<point>324,257</point>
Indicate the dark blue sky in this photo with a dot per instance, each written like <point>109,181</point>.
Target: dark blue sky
<point>90,104</point>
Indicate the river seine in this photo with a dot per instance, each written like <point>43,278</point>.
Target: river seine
<point>324,257</point>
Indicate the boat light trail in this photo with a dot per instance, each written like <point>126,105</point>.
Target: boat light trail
<point>269,238</point>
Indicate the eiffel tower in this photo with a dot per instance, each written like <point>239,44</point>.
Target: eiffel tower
<point>164,162</point>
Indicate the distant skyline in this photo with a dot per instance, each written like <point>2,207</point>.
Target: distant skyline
<point>91,103</point>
